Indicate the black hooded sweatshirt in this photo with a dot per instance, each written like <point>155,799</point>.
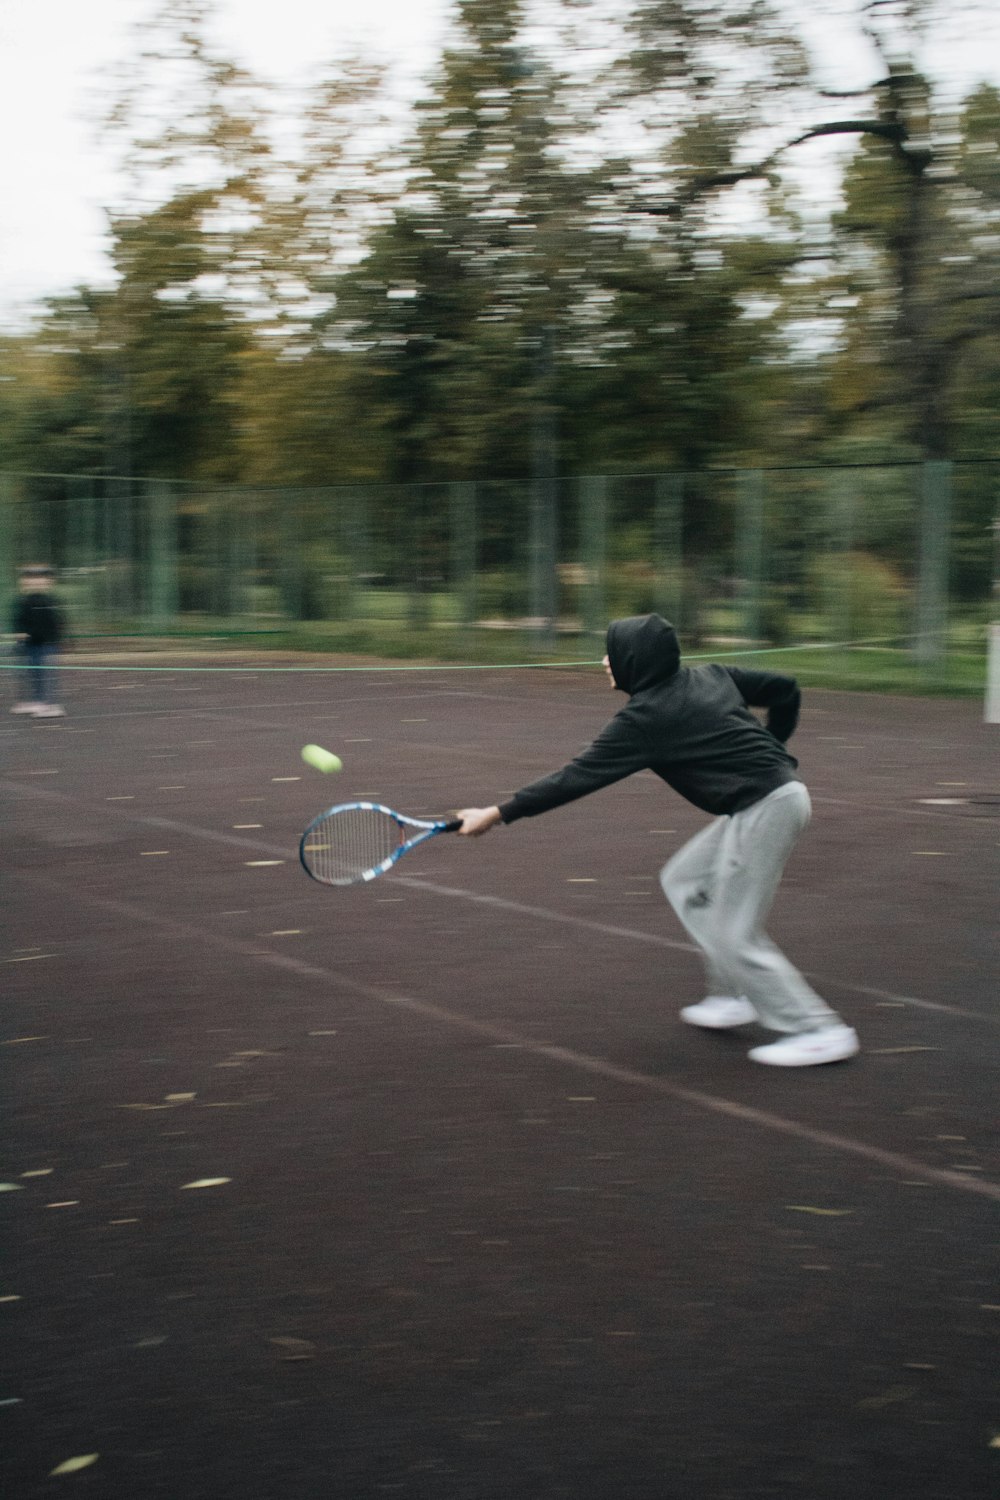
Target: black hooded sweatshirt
<point>692,726</point>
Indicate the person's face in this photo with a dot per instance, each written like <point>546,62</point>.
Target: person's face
<point>610,675</point>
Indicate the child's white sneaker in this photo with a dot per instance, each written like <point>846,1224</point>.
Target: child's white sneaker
<point>25,708</point>
<point>49,711</point>
<point>720,1012</point>
<point>806,1049</point>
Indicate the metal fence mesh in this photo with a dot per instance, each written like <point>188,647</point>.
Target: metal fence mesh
<point>758,556</point>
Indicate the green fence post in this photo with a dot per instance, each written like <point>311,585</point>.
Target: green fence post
<point>750,549</point>
<point>932,580</point>
<point>240,555</point>
<point>544,531</point>
<point>8,536</point>
<point>163,582</point>
<point>125,547</point>
<point>593,544</point>
<point>668,546</point>
<point>840,582</point>
<point>418,607</point>
<point>362,550</point>
<point>290,566</point>
<point>79,551</point>
<point>463,538</point>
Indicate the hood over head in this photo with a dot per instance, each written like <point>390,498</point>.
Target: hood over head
<point>643,651</point>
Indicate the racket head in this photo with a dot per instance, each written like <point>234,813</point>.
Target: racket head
<point>351,843</point>
<point>355,842</point>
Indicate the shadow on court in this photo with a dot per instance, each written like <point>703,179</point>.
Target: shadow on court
<point>422,1189</point>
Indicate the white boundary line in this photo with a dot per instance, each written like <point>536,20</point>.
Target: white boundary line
<point>567,1057</point>
<point>497,903</point>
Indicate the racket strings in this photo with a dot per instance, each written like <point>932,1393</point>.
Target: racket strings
<point>343,847</point>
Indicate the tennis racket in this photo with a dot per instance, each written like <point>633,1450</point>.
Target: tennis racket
<point>357,841</point>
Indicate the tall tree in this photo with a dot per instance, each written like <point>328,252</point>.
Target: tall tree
<point>912,199</point>
<point>186,246</point>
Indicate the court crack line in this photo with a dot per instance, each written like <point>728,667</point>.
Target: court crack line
<point>498,903</point>
<point>566,1056</point>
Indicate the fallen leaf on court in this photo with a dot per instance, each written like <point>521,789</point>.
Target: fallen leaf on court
<point>10,1187</point>
<point>39,1172</point>
<point>73,1465</point>
<point>827,1213</point>
<point>888,1051</point>
<point>260,863</point>
<point>888,1398</point>
<point>206,1182</point>
<point>291,1349</point>
<point>178,1098</point>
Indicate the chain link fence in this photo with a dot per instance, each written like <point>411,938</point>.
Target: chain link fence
<point>902,552</point>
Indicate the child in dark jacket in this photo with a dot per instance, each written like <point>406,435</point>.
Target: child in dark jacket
<point>39,627</point>
<point>692,727</point>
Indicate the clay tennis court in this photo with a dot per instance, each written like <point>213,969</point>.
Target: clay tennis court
<point>487,1221</point>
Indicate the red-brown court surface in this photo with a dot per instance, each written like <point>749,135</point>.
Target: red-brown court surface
<point>487,1221</point>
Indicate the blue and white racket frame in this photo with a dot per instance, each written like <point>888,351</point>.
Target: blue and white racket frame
<point>428,829</point>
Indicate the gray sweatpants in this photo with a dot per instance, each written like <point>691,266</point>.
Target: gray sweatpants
<point>722,883</point>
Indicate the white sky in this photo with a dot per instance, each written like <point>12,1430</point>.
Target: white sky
<point>55,180</point>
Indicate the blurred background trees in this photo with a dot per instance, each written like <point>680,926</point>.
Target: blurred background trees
<point>593,246</point>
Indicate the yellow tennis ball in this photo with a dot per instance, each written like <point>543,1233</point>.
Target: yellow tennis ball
<point>320,759</point>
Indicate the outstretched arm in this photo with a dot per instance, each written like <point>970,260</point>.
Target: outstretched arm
<point>618,751</point>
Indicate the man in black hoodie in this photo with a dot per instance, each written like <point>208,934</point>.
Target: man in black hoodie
<point>693,727</point>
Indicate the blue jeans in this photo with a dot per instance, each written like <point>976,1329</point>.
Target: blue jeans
<point>41,671</point>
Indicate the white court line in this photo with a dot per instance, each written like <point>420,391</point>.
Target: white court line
<point>498,903</point>
<point>581,1061</point>
<point>654,939</point>
<point>545,914</point>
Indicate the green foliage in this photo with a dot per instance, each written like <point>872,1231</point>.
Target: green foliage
<point>865,596</point>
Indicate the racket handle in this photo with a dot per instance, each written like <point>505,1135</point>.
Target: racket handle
<point>453,826</point>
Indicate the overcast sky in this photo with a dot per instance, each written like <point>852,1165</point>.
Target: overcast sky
<point>55,182</point>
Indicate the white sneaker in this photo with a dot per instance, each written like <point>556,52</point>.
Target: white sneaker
<point>807,1048</point>
<point>25,708</point>
<point>720,1012</point>
<point>50,711</point>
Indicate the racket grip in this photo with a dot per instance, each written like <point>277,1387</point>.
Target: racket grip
<point>453,826</point>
